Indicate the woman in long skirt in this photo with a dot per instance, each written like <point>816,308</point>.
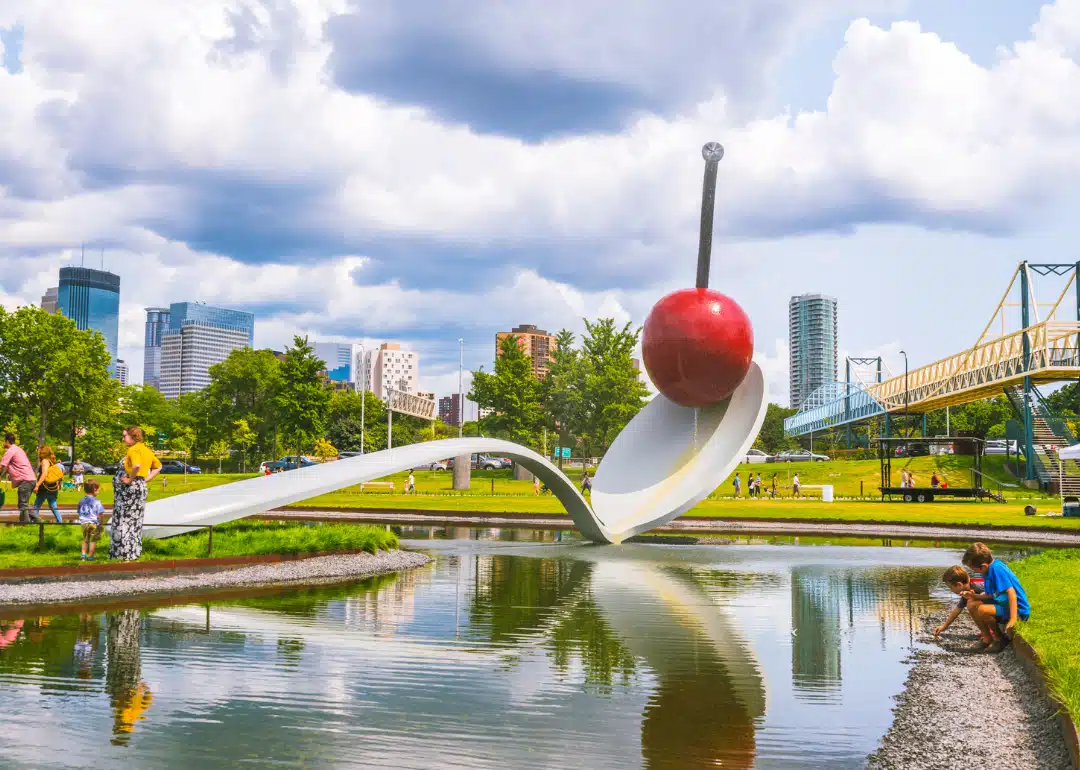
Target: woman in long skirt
<point>129,506</point>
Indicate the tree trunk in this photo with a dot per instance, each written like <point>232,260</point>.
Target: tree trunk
<point>41,428</point>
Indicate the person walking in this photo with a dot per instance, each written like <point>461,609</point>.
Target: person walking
<point>77,471</point>
<point>20,472</point>
<point>757,486</point>
<point>737,483</point>
<point>50,477</point>
<point>586,483</point>
<point>775,491</point>
<point>795,486</point>
<point>140,466</point>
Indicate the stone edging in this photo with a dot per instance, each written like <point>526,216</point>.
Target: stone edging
<point>1031,661</point>
<point>135,568</point>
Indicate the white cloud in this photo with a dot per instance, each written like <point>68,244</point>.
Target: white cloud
<point>103,139</point>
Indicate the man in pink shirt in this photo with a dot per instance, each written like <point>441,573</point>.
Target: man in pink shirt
<point>18,468</point>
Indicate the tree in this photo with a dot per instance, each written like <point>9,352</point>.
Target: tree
<point>343,426</point>
<point>182,441</point>
<point>561,390</point>
<point>512,392</point>
<point>324,450</point>
<point>218,450</point>
<point>611,388</point>
<point>303,399</point>
<point>771,439</point>
<point>243,436</point>
<point>48,367</point>
<point>245,386</point>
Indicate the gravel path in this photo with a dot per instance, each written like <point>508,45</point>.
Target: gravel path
<point>314,570</point>
<point>964,709</point>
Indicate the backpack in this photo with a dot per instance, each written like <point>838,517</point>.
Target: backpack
<point>54,476</point>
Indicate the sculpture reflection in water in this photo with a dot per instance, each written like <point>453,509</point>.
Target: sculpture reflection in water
<point>617,618</point>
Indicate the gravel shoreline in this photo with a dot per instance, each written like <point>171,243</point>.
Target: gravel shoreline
<point>320,569</point>
<point>965,709</point>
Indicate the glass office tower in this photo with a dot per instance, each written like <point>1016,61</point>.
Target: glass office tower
<point>91,298</point>
<point>157,323</point>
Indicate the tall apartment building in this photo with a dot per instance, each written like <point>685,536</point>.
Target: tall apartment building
<point>198,337</point>
<point>339,360</point>
<point>121,371</point>
<point>157,323</point>
<point>449,409</point>
<point>538,345</point>
<point>389,367</point>
<point>812,340</point>
<point>91,298</point>
<point>49,299</point>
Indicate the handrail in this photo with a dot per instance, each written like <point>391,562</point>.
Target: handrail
<point>42,524</point>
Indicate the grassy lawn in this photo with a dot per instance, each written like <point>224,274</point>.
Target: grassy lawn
<point>1052,628</point>
<point>19,545</point>
<point>161,487</point>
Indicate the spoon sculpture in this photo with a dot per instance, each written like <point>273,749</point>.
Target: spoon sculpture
<point>698,346</point>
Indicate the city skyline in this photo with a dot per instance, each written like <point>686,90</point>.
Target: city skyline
<point>544,211</point>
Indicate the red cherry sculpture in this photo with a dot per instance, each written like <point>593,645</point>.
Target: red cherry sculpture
<point>697,345</point>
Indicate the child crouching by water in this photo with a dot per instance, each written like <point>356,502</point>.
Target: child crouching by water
<point>90,512</point>
<point>960,583</point>
<point>1003,600</point>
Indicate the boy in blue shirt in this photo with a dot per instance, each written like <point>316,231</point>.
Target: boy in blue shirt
<point>1003,599</point>
<point>90,512</point>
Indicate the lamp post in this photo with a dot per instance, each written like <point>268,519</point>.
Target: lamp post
<point>363,394</point>
<point>461,387</point>
<point>906,392</point>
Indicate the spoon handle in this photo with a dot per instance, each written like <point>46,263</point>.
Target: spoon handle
<point>712,153</point>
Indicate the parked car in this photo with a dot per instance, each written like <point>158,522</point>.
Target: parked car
<point>757,456</point>
<point>482,462</point>
<point>347,455</point>
<point>439,465</point>
<point>914,449</point>
<point>999,446</point>
<point>800,456</point>
<point>290,463</point>
<point>88,468</point>
<point>178,466</point>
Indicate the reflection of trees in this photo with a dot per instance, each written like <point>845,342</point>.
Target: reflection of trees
<point>129,696</point>
<point>581,631</point>
<point>823,603</point>
<point>514,595</point>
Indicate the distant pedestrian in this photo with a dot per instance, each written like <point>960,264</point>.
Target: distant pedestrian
<point>903,479</point>
<point>795,486</point>
<point>757,486</point>
<point>20,472</point>
<point>410,483</point>
<point>737,483</point>
<point>77,471</point>
<point>91,512</point>
<point>775,491</point>
<point>50,478</point>
<point>139,468</point>
<point>586,483</point>
<point>935,481</point>
<point>536,485</point>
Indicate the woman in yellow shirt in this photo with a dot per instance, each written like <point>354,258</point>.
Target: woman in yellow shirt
<point>130,487</point>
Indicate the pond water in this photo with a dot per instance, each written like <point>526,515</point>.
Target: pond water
<point>529,650</point>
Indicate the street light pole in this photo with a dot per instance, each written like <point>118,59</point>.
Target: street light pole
<point>363,394</point>
<point>907,397</point>
<point>461,387</point>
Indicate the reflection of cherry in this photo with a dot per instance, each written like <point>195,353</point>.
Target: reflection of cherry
<point>698,343</point>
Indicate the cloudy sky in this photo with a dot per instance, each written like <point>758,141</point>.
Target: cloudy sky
<point>376,170</point>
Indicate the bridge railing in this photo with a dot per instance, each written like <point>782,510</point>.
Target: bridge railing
<point>1052,345</point>
<point>847,403</point>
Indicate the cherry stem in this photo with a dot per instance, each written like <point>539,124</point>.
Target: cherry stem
<point>712,152</point>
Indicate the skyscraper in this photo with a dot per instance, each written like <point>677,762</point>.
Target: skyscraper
<point>390,367</point>
<point>121,371</point>
<point>48,300</point>
<point>812,341</point>
<point>198,337</point>
<point>538,345</point>
<point>157,323</point>
<point>91,298</point>
<point>339,360</point>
